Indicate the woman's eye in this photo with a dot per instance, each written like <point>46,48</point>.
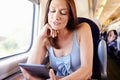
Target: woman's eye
<point>63,12</point>
<point>52,11</point>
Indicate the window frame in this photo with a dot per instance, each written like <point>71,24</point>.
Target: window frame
<point>32,36</point>
<point>9,64</point>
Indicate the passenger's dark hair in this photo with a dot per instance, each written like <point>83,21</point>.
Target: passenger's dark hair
<point>72,23</point>
<point>115,32</point>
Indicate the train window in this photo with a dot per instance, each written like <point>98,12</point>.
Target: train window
<point>15,26</point>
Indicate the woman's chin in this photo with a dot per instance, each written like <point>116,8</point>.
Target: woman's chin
<point>55,28</point>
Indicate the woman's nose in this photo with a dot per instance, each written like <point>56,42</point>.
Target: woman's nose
<point>57,16</point>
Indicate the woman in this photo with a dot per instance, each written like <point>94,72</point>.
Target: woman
<point>112,42</point>
<point>69,45</point>
<point>113,59</point>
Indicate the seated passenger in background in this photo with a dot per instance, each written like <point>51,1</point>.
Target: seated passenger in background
<point>113,60</point>
<point>112,43</point>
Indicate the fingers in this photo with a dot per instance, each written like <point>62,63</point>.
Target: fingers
<point>52,75</point>
<point>52,33</point>
<point>27,76</point>
<point>25,73</point>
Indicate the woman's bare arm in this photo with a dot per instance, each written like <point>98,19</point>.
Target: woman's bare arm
<point>38,52</point>
<point>39,49</point>
<point>86,52</point>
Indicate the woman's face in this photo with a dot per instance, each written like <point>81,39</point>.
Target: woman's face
<point>58,15</point>
<point>111,36</point>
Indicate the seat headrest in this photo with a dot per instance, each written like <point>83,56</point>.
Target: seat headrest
<point>90,21</point>
<point>94,27</point>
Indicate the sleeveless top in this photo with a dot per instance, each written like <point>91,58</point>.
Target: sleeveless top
<point>67,64</point>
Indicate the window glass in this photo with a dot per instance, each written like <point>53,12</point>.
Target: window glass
<point>15,26</point>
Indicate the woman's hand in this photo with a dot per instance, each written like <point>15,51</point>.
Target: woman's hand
<point>52,75</point>
<point>27,76</point>
<point>47,31</point>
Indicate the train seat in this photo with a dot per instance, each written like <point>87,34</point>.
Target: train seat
<point>102,53</point>
<point>97,60</point>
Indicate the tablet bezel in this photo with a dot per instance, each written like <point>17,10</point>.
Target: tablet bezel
<point>36,70</point>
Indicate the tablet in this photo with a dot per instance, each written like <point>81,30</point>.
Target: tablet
<point>36,70</point>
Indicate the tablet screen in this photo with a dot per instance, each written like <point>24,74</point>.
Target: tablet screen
<point>36,70</point>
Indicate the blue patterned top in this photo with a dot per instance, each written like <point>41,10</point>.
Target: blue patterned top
<point>67,64</point>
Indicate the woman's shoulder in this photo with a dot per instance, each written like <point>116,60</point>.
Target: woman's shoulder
<point>83,27</point>
<point>83,31</point>
<point>113,43</point>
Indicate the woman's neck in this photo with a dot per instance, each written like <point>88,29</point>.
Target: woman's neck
<point>63,34</point>
<point>64,38</point>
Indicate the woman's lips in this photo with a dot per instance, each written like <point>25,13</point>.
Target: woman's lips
<point>56,23</point>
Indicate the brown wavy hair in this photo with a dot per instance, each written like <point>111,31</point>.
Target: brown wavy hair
<point>72,23</point>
